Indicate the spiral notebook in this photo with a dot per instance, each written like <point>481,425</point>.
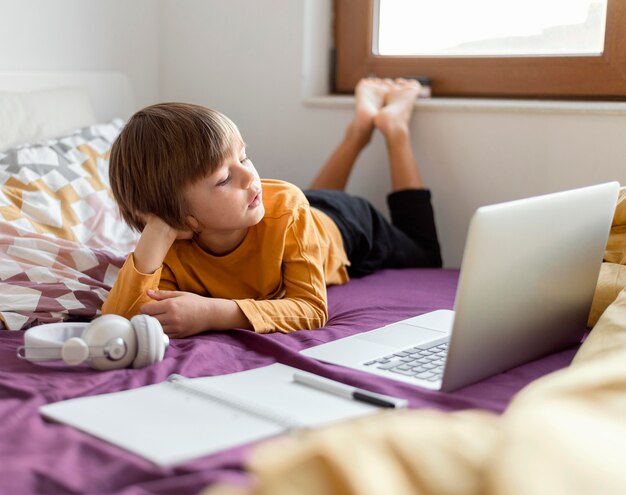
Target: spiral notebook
<point>185,418</point>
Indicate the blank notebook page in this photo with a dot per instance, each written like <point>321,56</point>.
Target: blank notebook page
<point>173,422</point>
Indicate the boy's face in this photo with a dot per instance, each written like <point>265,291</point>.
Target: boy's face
<point>228,201</point>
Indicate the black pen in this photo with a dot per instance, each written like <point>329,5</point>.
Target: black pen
<point>348,392</point>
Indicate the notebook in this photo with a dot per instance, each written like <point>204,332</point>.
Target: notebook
<point>527,280</point>
<point>182,419</point>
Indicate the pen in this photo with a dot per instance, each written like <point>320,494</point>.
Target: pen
<point>347,391</point>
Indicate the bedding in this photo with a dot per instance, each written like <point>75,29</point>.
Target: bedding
<point>612,278</point>
<point>41,457</point>
<point>61,245</point>
<point>61,239</point>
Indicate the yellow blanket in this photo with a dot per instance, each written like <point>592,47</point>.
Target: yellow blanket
<point>613,271</point>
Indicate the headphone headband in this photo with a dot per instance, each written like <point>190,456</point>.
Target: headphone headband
<point>45,342</point>
<point>108,342</point>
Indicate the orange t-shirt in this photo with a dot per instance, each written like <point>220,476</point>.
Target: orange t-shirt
<point>277,275</point>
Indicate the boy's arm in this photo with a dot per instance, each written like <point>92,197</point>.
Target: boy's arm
<point>155,241</point>
<point>142,269</point>
<point>302,305</point>
<point>183,314</point>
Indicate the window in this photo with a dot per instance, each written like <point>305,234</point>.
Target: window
<point>486,48</point>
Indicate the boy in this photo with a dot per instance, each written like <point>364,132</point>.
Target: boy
<point>220,248</point>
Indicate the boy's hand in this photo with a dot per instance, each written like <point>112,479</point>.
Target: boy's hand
<point>155,241</point>
<point>183,314</point>
<point>157,225</point>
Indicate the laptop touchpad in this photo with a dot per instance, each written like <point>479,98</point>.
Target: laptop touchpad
<point>400,334</point>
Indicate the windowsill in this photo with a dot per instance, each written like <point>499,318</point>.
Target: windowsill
<point>318,20</point>
<point>488,105</point>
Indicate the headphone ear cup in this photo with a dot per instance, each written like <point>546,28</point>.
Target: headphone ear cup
<point>151,340</point>
<point>101,331</point>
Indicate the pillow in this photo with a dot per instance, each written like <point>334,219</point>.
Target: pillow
<point>61,188</point>
<point>32,116</point>
<point>612,278</point>
<point>62,240</point>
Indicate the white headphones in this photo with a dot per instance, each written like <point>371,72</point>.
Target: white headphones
<point>108,342</point>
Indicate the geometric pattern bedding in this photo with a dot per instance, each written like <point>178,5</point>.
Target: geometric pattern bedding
<point>62,240</point>
<point>47,280</point>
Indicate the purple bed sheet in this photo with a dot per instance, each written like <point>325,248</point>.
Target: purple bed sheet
<point>44,458</point>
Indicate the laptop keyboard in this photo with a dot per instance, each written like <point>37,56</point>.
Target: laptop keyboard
<point>423,363</point>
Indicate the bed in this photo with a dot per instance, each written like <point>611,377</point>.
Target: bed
<point>58,259</point>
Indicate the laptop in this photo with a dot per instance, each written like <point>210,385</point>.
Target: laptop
<point>528,276</point>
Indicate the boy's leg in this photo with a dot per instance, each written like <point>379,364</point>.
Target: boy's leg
<point>393,121</point>
<point>370,96</point>
<point>370,241</point>
<point>409,203</point>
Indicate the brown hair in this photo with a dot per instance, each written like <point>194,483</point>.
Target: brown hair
<point>162,149</point>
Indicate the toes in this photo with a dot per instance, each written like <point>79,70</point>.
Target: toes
<point>401,81</point>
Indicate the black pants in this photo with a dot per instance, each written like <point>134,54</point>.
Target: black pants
<point>371,242</point>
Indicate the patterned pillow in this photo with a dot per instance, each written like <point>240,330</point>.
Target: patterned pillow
<point>61,237</point>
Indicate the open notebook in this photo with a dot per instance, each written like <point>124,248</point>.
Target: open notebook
<point>183,419</point>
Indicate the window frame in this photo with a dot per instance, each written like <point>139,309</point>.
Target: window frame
<point>595,77</point>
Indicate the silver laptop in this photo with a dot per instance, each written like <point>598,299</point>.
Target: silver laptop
<point>527,279</point>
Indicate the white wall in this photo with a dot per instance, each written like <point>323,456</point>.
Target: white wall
<point>479,157</point>
<point>246,58</point>
<point>83,35</point>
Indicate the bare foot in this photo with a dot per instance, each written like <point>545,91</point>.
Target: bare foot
<point>370,96</point>
<point>395,115</point>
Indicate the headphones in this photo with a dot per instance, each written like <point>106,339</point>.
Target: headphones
<point>107,343</point>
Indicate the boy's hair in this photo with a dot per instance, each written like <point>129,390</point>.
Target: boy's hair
<point>162,149</point>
